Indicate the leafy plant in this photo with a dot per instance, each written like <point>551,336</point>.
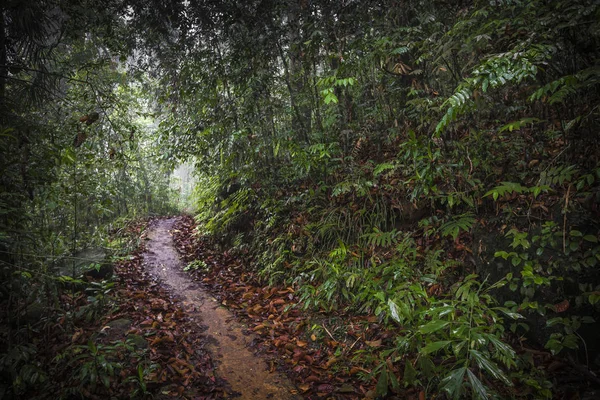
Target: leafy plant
<point>466,328</point>
<point>94,364</point>
<point>460,223</point>
<point>195,266</point>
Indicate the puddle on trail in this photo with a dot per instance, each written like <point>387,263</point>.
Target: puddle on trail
<point>245,372</point>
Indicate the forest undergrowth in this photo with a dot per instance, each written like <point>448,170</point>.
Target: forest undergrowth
<point>408,312</point>
<point>120,337</point>
<point>430,168</point>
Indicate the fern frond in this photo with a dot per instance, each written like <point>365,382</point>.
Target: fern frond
<point>380,239</point>
<point>517,125</point>
<point>381,168</point>
<point>558,175</point>
<point>558,90</point>
<point>504,188</point>
<point>458,224</point>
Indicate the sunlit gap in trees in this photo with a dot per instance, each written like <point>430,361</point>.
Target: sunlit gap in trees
<point>183,181</point>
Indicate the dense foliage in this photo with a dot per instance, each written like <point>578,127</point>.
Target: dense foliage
<point>433,163</point>
<point>76,158</point>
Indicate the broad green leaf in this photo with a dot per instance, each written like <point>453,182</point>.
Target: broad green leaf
<point>410,374</point>
<point>502,347</point>
<point>508,313</point>
<point>331,98</point>
<point>394,310</point>
<point>434,346</point>
<point>382,383</point>
<point>453,383</point>
<point>590,238</point>
<point>433,326</point>
<point>477,386</point>
<point>554,321</point>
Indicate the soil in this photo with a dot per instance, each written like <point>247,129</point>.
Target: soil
<point>246,373</point>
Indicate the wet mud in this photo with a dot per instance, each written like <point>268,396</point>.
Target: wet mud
<point>246,373</point>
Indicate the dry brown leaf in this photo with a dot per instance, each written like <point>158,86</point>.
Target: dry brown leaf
<point>373,343</point>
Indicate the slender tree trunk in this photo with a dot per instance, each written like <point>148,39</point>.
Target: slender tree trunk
<point>297,71</point>
<point>3,59</point>
<point>297,121</point>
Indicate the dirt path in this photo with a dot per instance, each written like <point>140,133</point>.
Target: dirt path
<point>246,373</point>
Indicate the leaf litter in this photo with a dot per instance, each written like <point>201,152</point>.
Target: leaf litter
<point>229,343</point>
<point>321,352</point>
<point>328,355</point>
<point>181,365</point>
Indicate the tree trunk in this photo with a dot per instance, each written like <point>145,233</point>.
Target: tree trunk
<point>302,117</point>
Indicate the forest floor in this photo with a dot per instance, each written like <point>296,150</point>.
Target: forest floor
<point>261,343</point>
<point>229,342</point>
<point>326,355</point>
<point>187,319</point>
<point>333,355</point>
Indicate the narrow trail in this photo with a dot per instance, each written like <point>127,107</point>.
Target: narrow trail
<point>245,372</point>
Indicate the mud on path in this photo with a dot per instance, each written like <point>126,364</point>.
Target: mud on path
<point>245,372</point>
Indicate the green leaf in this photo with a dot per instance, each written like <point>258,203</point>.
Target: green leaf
<point>505,349</point>
<point>435,346</point>
<point>433,326</point>
<point>410,373</point>
<point>554,321</point>
<point>331,98</point>
<point>489,366</point>
<point>394,310</point>
<point>381,168</point>
<point>382,383</point>
<point>590,238</point>
<point>477,386</point>
<point>508,313</point>
<point>453,382</point>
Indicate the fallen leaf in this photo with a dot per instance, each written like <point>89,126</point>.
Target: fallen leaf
<point>304,388</point>
<point>373,343</point>
<point>325,388</point>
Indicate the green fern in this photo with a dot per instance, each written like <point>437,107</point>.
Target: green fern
<point>513,187</point>
<point>500,69</point>
<point>380,239</point>
<point>380,168</point>
<point>341,188</point>
<point>517,125</point>
<point>460,223</point>
<point>340,252</point>
<point>558,175</point>
<point>505,188</point>
<point>557,91</point>
<point>494,72</point>
<point>232,207</point>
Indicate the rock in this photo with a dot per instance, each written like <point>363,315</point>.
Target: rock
<point>116,329</point>
<point>137,341</point>
<point>119,326</point>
